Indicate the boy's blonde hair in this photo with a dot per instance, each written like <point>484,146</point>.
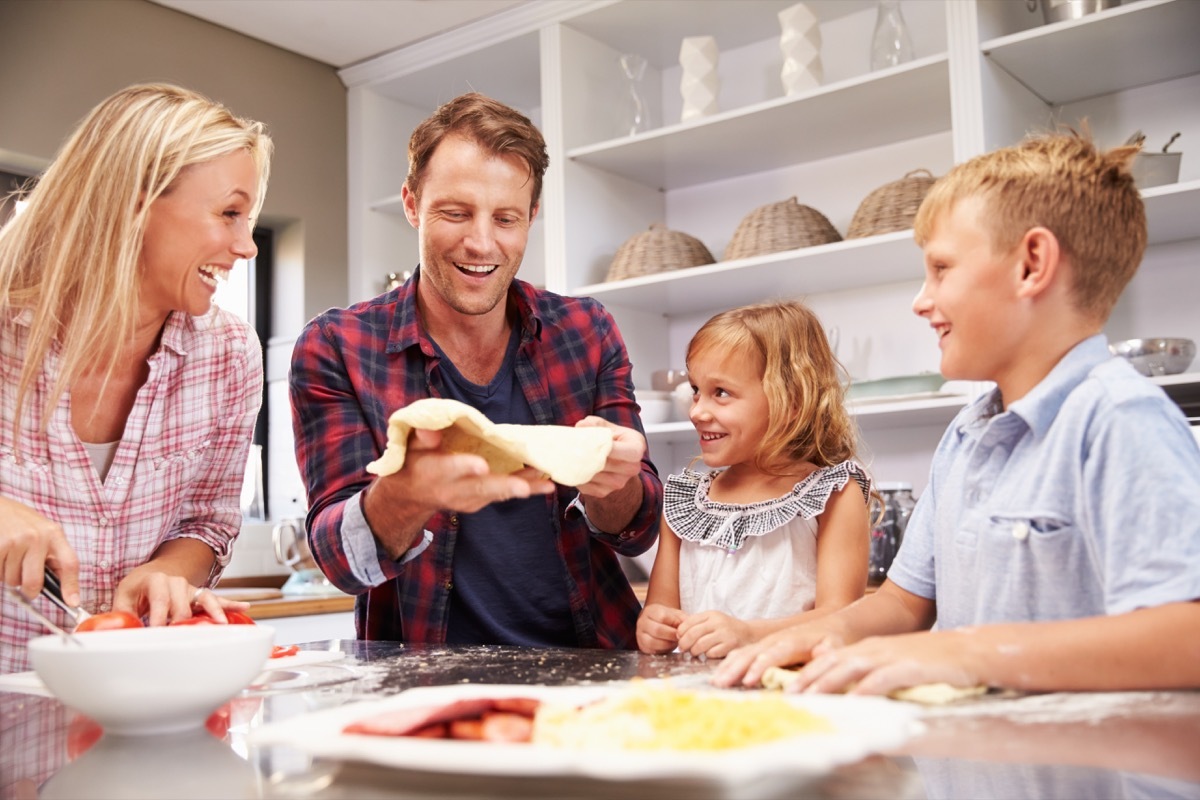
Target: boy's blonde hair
<point>801,378</point>
<point>71,258</point>
<point>1062,182</point>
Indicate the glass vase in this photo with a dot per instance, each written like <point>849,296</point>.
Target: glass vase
<point>636,117</point>
<point>891,43</point>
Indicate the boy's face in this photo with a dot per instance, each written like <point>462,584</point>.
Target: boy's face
<point>970,296</point>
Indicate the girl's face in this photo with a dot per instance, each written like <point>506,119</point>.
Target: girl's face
<point>729,407</point>
<point>195,231</point>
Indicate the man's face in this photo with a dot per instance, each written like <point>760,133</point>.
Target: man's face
<point>473,217</point>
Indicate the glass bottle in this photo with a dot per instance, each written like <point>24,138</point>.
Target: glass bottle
<point>888,532</point>
<point>636,118</point>
<point>891,44</point>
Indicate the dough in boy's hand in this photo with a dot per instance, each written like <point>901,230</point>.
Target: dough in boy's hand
<point>929,694</point>
<point>570,456</point>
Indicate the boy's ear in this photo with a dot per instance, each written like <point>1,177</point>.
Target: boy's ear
<point>1040,258</point>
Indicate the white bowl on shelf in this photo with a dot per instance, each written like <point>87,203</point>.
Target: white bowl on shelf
<point>656,407</point>
<point>149,681</point>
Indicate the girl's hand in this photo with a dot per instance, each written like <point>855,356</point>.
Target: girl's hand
<point>29,543</point>
<point>713,634</point>
<point>656,628</point>
<point>883,664</point>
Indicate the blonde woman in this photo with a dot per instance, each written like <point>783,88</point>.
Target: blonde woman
<point>128,398</point>
<point>777,533</point>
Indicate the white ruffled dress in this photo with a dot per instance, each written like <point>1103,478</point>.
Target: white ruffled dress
<point>756,561</point>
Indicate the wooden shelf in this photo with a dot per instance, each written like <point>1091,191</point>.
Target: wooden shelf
<point>1184,389</point>
<point>872,110</point>
<point>1142,43</point>
<point>874,260</point>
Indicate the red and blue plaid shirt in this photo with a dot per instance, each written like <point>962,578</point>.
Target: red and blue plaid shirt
<point>353,367</point>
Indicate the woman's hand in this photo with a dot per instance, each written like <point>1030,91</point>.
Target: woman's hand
<point>656,628</point>
<point>713,634</point>
<point>28,544</point>
<point>162,598</point>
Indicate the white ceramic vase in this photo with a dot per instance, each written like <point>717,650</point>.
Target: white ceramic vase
<point>699,84</point>
<point>800,42</point>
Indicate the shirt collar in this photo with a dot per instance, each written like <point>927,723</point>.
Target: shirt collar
<point>172,332</point>
<point>1041,405</point>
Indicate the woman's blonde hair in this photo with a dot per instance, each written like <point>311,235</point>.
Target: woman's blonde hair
<point>71,258</point>
<point>802,379</point>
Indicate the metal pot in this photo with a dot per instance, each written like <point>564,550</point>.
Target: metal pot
<point>1059,10</point>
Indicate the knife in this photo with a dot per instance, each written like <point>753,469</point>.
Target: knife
<point>52,590</point>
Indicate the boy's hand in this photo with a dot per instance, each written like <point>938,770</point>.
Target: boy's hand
<point>789,646</point>
<point>656,628</point>
<point>883,664</point>
<point>713,634</point>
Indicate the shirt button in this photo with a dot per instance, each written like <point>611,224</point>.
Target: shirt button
<point>1020,531</point>
<point>105,607</point>
<point>104,565</point>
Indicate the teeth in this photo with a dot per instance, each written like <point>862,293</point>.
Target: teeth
<point>210,274</point>
<point>479,269</point>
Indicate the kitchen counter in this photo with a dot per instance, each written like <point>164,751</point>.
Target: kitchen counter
<point>1139,744</point>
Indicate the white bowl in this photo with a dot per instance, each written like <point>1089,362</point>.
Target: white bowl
<point>143,681</point>
<point>655,406</point>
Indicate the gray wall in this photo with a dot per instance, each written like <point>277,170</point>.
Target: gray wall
<point>58,58</point>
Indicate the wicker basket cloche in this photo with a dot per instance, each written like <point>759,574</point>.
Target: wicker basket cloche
<point>891,207</point>
<point>655,250</point>
<point>786,225</point>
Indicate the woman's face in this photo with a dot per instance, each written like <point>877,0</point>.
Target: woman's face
<point>195,231</point>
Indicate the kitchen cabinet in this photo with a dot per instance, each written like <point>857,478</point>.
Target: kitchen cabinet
<point>985,73</point>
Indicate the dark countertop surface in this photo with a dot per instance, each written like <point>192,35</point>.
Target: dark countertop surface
<point>1112,745</point>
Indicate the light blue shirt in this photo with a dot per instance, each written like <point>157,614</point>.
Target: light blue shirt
<point>1081,499</point>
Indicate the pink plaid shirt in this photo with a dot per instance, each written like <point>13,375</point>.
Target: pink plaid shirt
<point>177,471</point>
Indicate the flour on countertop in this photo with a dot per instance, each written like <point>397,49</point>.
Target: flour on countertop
<point>1070,706</point>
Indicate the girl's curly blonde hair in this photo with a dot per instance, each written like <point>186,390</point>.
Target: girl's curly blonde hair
<point>802,379</point>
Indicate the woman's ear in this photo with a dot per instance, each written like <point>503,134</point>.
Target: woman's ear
<point>1040,257</point>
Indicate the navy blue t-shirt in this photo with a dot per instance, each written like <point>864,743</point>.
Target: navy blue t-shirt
<point>510,583</point>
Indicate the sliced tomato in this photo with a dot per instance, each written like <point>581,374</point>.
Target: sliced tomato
<point>108,621</point>
<point>279,651</point>
<point>82,733</point>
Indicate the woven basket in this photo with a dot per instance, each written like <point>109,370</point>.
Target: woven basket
<point>891,207</point>
<point>786,225</point>
<point>657,250</point>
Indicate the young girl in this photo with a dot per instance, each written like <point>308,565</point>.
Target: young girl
<point>781,534</point>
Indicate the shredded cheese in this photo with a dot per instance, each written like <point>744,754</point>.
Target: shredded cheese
<point>663,718</point>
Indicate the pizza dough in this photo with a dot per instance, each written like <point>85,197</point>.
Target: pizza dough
<point>929,694</point>
<point>570,456</point>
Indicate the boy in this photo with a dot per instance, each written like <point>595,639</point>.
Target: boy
<point>1057,544</point>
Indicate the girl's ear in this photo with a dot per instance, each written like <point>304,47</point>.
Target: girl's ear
<point>1039,256</point>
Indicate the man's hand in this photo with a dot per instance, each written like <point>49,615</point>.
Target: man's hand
<point>624,461</point>
<point>433,479</point>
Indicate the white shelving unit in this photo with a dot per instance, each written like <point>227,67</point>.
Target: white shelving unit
<point>986,73</point>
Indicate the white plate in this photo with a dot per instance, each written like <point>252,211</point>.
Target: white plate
<point>864,725</point>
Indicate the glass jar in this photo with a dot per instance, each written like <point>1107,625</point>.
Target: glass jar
<point>887,529</point>
<point>891,44</point>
